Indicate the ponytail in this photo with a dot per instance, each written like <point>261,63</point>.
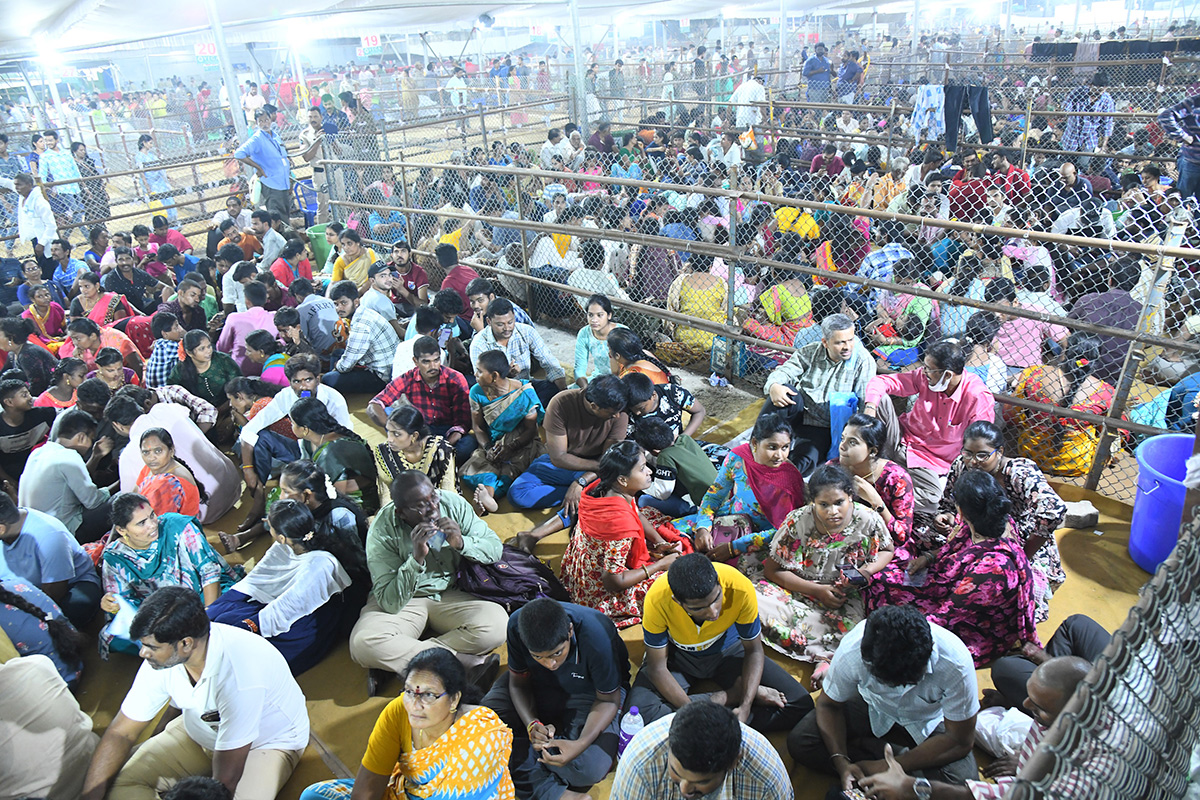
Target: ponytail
<point>68,642</point>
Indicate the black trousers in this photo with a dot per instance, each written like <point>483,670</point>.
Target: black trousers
<point>976,98</point>
<point>1078,635</point>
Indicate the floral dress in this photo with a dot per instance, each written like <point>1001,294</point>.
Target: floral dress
<point>1037,510</point>
<point>797,625</point>
<point>896,490</point>
<point>729,495</point>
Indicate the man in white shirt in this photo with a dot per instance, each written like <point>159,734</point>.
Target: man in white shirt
<point>56,479</point>
<point>751,90</point>
<point>731,151</point>
<point>895,679</point>
<point>35,218</point>
<point>555,145</point>
<point>235,712</point>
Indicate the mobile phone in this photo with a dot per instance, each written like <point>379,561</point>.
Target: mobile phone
<point>443,337</point>
<point>852,575</point>
<point>551,750</point>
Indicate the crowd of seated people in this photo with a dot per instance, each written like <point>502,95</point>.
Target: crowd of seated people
<point>891,544</point>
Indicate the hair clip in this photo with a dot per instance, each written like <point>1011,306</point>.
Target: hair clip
<point>48,618</point>
<point>330,489</point>
<point>307,537</point>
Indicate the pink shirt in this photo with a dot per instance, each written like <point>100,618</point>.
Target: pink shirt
<point>933,429</point>
<point>1019,340</point>
<point>237,326</point>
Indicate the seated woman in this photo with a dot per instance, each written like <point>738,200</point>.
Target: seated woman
<point>756,488</point>
<point>843,247</point>
<point>786,309</point>
<point>64,380</point>
<point>1059,445</point>
<point>298,595</point>
<point>248,396</point>
<point>48,318</point>
<point>505,414</point>
<point>982,358</point>
<point>103,308</point>
<point>821,558</point>
<point>263,348</point>
<point>147,552</point>
<point>204,372</point>
<point>625,355</point>
<point>431,741</point>
<point>411,445</point>
<point>166,480</point>
<point>883,485</point>
<point>1036,508</point>
<point>36,626</point>
<point>591,345</point>
<point>697,292</point>
<point>32,274</point>
<point>291,263</point>
<point>613,553</point>
<point>337,450</point>
<point>979,585</point>
<point>900,330</point>
<point>111,369</point>
<point>23,351</point>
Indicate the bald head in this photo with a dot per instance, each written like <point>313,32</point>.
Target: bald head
<point>1051,686</point>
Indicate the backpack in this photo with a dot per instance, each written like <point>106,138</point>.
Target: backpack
<point>515,579</point>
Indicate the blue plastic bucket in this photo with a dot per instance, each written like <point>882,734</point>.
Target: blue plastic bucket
<point>1158,507</point>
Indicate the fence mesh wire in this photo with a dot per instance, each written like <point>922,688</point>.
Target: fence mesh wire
<point>725,247</point>
<point>1131,729</point>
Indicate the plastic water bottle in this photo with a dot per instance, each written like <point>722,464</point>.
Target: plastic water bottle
<point>631,725</point>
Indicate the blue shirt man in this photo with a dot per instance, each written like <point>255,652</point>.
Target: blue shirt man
<point>67,269</point>
<point>265,150</point>
<point>848,75</point>
<point>818,72</point>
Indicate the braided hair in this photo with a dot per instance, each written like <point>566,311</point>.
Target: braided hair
<point>628,345</point>
<point>306,476</point>
<point>164,436</point>
<point>68,642</point>
<point>311,413</point>
<point>65,367</point>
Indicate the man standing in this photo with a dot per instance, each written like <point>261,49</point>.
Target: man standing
<point>252,102</point>
<point>744,96</point>
<point>928,437</point>
<point>234,711</point>
<point>819,73</point>
<point>312,150</point>
<point>801,388</point>
<point>57,165</point>
<point>1181,122</point>
<point>414,549</point>
<point>900,680</point>
<point>567,671</point>
<point>35,220</point>
<point>850,76</point>
<point>521,343</point>
<point>366,363</point>
<point>701,751</point>
<point>265,154</point>
<point>1089,134</point>
<point>438,392</point>
<point>701,623</point>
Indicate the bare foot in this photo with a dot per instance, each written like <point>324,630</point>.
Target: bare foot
<point>818,676</point>
<point>720,697</point>
<point>766,696</point>
<point>570,795</point>
<point>993,699</point>
<point>525,540</point>
<point>485,498</point>
<point>230,542</point>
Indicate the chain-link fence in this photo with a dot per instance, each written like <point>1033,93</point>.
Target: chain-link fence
<point>1130,731</point>
<point>1075,333</point>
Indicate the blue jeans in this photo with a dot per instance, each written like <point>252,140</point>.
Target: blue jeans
<point>270,448</point>
<point>543,485</point>
<point>1189,177</point>
<point>463,448</point>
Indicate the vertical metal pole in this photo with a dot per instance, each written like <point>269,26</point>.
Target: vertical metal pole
<point>724,42</point>
<point>1025,138</point>
<point>301,92</point>
<point>48,77</point>
<point>1007,21</point>
<point>730,288</point>
<point>577,54</point>
<point>916,38</point>
<point>483,130</point>
<point>1079,2</point>
<point>782,42</point>
<point>235,106</point>
<point>654,34</point>
<point>529,298</point>
<point>616,41</point>
<point>149,73</point>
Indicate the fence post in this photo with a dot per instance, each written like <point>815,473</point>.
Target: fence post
<point>525,254</point>
<point>1025,138</point>
<point>483,129</point>
<point>730,291</point>
<point>1135,355</point>
<point>387,154</point>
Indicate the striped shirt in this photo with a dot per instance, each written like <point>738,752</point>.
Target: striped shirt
<point>642,772</point>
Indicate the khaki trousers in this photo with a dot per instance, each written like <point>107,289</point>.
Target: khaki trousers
<point>459,622</point>
<point>172,755</point>
<point>928,486</point>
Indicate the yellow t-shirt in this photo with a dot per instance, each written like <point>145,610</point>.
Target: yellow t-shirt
<point>356,270</point>
<point>665,620</point>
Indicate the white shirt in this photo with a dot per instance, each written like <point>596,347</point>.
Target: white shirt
<point>35,219</point>
<point>281,406</point>
<point>750,91</point>
<point>733,156</point>
<point>292,586</point>
<point>232,292</point>
<point>948,691</point>
<point>242,220</point>
<point>56,481</point>
<point>246,681</point>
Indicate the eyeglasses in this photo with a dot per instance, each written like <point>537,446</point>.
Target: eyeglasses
<point>979,458</point>
<point>423,698</point>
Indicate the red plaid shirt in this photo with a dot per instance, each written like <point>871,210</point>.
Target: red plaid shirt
<point>445,403</point>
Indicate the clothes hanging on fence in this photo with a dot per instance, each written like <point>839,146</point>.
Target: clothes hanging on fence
<point>1087,52</point>
<point>929,116</point>
<point>976,98</point>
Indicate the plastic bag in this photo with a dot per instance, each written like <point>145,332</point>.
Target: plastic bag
<point>1002,731</point>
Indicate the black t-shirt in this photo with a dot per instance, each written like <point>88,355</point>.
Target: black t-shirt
<point>673,400</point>
<point>598,661</point>
<point>16,443</point>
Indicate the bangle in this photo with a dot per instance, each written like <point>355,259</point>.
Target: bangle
<point>247,466</point>
<point>840,755</point>
<point>647,571</point>
<point>529,727</point>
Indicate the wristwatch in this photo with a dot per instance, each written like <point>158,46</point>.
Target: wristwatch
<point>583,481</point>
<point>922,789</point>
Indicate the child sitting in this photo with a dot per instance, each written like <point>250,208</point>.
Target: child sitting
<point>682,471</point>
<point>164,355</point>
